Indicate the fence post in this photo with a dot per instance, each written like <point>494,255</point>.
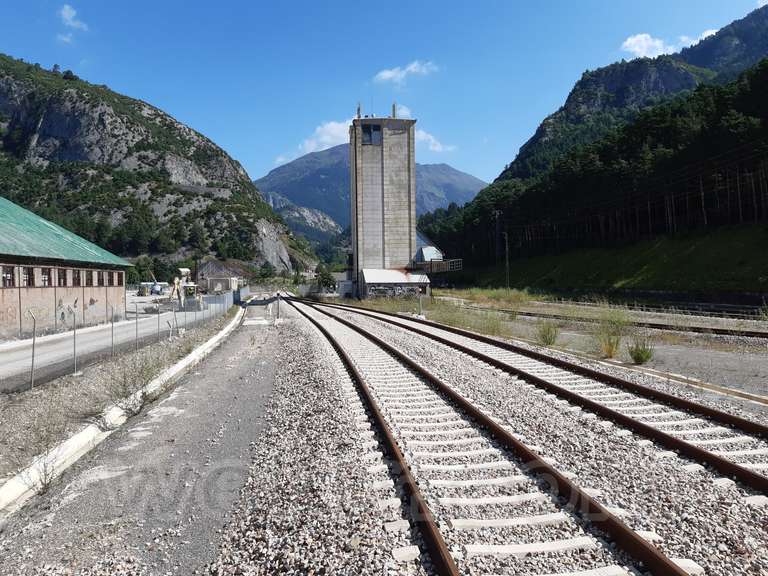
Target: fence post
<point>113,329</point>
<point>34,338</point>
<point>74,337</point>
<point>158,322</point>
<point>137,326</point>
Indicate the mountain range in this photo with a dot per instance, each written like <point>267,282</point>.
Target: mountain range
<point>609,97</point>
<point>128,176</point>
<point>312,194</point>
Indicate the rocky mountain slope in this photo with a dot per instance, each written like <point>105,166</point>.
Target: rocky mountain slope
<point>127,175</point>
<point>609,97</point>
<point>313,224</point>
<point>320,182</point>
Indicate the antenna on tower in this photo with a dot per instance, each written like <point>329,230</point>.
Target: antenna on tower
<point>394,109</point>
<point>358,110</point>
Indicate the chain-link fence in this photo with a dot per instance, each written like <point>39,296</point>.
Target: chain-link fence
<point>39,359</point>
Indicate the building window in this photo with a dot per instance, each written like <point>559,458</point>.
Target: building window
<point>45,277</point>
<point>61,275</point>
<point>372,134</point>
<point>110,278</point>
<point>100,277</point>
<point>75,277</point>
<point>88,277</point>
<point>27,276</point>
<point>8,278</point>
<point>119,278</point>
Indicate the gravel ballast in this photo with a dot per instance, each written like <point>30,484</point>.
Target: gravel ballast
<point>696,519</point>
<point>308,506</point>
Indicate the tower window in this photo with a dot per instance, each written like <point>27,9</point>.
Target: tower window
<point>372,134</point>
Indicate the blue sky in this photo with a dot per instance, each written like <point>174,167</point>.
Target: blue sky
<point>269,81</point>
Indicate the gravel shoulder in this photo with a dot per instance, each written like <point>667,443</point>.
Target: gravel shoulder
<point>152,498</point>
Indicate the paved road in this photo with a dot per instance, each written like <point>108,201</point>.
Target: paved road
<point>54,353</point>
<point>160,487</point>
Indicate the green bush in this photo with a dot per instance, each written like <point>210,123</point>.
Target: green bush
<point>611,328</point>
<point>547,333</point>
<point>640,348</point>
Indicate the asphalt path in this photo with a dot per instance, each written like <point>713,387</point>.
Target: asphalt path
<point>158,489</point>
<point>54,354</point>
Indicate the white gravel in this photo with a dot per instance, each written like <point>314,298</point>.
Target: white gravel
<point>696,519</point>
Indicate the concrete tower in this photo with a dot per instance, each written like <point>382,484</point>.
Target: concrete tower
<point>383,191</point>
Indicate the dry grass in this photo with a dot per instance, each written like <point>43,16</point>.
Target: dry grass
<point>547,333</point>
<point>446,312</point>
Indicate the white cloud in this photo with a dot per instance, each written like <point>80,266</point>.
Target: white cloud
<point>433,143</point>
<point>646,46</point>
<point>688,41</point>
<point>403,111</point>
<point>65,38</point>
<point>68,17</point>
<point>333,133</point>
<point>325,136</point>
<point>398,75</point>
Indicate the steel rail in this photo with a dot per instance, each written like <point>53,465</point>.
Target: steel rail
<point>636,323</point>
<point>742,474</point>
<point>421,515</point>
<point>640,549</point>
<point>712,413</point>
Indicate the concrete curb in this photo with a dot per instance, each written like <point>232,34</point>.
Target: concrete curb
<point>16,491</point>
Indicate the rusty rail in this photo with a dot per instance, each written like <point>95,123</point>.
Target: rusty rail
<point>744,475</point>
<point>598,515</point>
<point>421,515</point>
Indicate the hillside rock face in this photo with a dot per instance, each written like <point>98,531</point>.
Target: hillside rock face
<point>312,192</point>
<point>610,96</point>
<point>108,157</point>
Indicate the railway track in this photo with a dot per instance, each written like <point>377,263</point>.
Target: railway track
<point>481,500</point>
<point>670,327</point>
<point>733,446</point>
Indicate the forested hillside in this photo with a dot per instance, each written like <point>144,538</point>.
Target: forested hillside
<point>699,160</point>
<point>608,97</point>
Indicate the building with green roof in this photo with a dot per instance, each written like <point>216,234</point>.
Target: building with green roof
<point>53,275</point>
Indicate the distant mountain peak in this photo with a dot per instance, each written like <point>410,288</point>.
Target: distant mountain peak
<point>320,181</point>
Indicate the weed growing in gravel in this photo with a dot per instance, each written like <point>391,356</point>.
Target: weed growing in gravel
<point>547,333</point>
<point>762,313</point>
<point>50,424</point>
<point>128,379</point>
<point>611,328</point>
<point>640,347</point>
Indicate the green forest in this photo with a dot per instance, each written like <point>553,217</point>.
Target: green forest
<point>693,162</point>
